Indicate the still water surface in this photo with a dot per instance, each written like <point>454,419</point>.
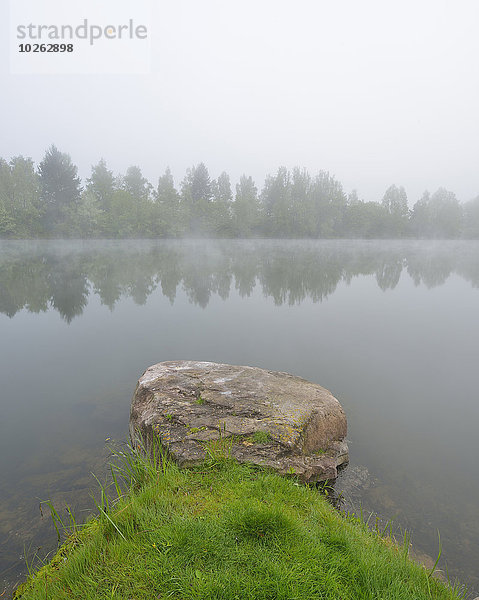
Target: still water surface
<point>391,328</point>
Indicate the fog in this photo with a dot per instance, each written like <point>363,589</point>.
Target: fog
<point>377,93</point>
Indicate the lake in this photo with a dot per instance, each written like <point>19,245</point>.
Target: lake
<point>390,328</point>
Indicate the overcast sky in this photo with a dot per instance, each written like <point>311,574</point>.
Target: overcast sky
<point>375,91</point>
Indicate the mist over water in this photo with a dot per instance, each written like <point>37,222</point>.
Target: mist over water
<point>42,275</point>
<point>391,328</point>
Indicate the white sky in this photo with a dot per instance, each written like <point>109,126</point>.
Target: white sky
<point>375,91</point>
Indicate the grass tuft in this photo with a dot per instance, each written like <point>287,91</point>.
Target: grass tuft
<point>260,523</point>
<point>261,437</point>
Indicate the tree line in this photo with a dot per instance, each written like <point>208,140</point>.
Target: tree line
<point>51,201</point>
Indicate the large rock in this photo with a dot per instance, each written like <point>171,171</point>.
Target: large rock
<point>267,418</point>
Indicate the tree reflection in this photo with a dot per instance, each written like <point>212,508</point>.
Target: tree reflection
<point>62,275</point>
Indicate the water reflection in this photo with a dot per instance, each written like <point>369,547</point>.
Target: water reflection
<point>62,275</point>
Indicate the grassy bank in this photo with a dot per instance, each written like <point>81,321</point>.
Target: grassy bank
<point>226,531</point>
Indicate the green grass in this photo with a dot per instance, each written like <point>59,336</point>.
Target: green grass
<point>261,437</point>
<point>225,531</point>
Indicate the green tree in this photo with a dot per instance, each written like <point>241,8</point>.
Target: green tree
<point>168,215</point>
<point>19,204</point>
<point>7,224</point>
<point>25,187</point>
<point>123,216</point>
<point>138,190</point>
<point>200,184</point>
<point>419,222</point>
<point>60,190</point>
<point>101,184</point>
<point>220,207</point>
<point>437,216</point>
<point>89,216</point>
<point>364,220</point>
<point>395,203</point>
<point>196,195</point>
<point>136,185</point>
<point>445,214</point>
<point>327,206</point>
<point>353,198</point>
<point>300,205</point>
<point>276,204</point>
<point>245,209</point>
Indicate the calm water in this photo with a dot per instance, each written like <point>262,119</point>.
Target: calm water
<point>392,329</point>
